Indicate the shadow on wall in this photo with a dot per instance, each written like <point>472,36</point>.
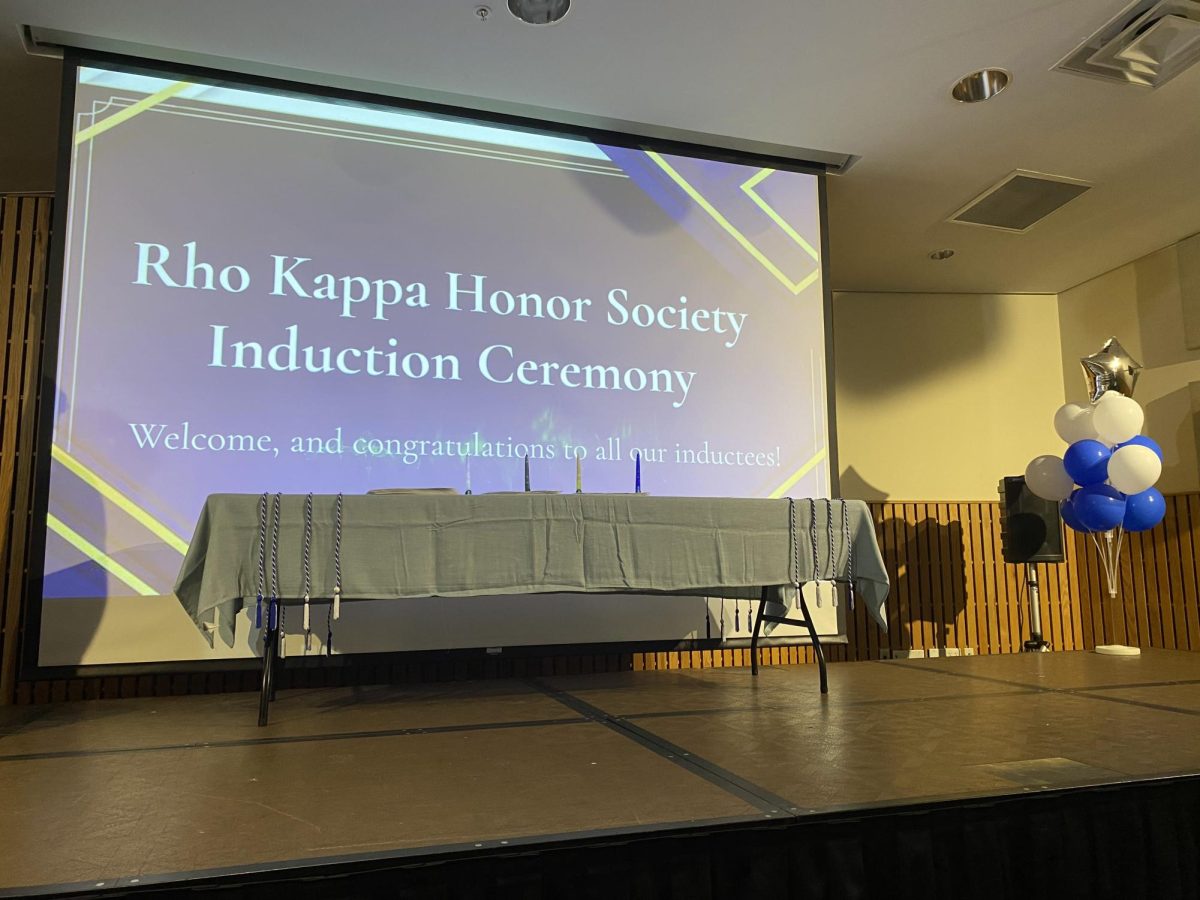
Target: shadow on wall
<point>852,486</point>
<point>926,562</point>
<point>946,332</point>
<point>1174,421</point>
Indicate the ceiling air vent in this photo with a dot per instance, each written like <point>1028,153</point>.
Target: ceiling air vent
<point>1149,43</point>
<point>1019,201</point>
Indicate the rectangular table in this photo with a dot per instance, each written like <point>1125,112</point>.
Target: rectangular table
<point>392,546</point>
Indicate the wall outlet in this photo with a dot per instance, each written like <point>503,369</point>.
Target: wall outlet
<point>968,651</point>
<point>952,651</point>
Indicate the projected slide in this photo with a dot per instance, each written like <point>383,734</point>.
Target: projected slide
<point>271,293</point>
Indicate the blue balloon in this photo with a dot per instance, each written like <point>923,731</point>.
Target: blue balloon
<point>1144,510</point>
<point>1099,507</point>
<point>1143,441</point>
<point>1070,519</point>
<point>1086,462</point>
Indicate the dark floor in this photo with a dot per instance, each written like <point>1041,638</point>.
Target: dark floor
<point>105,790</point>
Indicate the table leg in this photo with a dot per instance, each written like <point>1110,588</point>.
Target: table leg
<point>762,606</point>
<point>267,691</point>
<point>816,641</point>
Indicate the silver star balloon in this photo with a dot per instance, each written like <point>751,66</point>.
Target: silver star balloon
<point>1110,368</point>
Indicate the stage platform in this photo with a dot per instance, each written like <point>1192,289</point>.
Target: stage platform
<point>1066,774</point>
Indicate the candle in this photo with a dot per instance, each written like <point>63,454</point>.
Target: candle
<point>468,474</point>
<point>578,474</point>
<point>637,478</point>
<point>527,472</point>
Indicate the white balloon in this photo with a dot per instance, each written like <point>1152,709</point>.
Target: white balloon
<point>1133,469</point>
<point>1047,477</point>
<point>1072,421</point>
<point>1116,418</point>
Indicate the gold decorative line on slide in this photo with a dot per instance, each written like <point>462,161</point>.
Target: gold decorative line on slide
<point>130,111</point>
<point>94,553</point>
<point>798,474</point>
<point>793,286</point>
<point>155,527</point>
<point>748,189</point>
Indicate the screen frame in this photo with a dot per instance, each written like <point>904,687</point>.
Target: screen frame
<point>73,59</point>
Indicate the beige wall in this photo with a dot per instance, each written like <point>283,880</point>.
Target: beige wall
<point>1143,305</point>
<point>940,395</point>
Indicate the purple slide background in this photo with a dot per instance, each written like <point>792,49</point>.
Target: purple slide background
<point>133,353</point>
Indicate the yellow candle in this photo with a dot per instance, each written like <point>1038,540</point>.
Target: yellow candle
<point>578,474</point>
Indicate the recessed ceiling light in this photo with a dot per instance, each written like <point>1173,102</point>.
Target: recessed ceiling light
<point>539,12</point>
<point>941,254</point>
<point>979,86</point>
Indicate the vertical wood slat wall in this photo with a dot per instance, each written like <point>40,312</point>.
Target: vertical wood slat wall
<point>24,245</point>
<point>950,586</point>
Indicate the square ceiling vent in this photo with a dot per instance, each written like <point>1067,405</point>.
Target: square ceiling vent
<point>1148,43</point>
<point>1019,201</point>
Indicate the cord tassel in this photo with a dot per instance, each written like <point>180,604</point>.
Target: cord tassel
<point>258,612</point>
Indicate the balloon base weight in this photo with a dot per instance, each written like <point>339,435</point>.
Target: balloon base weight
<point>1035,647</point>
<point>1118,650</point>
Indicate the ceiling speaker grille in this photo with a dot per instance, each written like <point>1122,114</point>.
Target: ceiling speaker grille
<point>1020,201</point>
<point>1148,44</point>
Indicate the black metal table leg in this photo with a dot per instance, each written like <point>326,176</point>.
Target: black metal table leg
<point>816,641</point>
<point>267,691</point>
<point>762,606</point>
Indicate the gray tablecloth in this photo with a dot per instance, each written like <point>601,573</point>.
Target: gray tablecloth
<point>430,545</point>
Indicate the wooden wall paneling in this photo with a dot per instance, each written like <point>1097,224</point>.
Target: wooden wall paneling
<point>24,238</point>
<point>1190,582</point>
<point>920,600</point>
<point>898,634</point>
<point>1070,609</point>
<point>905,594</point>
<point>1011,595</point>
<point>990,588</point>
<point>1128,604</point>
<point>987,587</point>
<point>1072,595</point>
<point>1059,614</point>
<point>949,559</point>
<point>1110,616</point>
<point>1171,546</point>
<point>1167,569</point>
<point>961,577</point>
<point>1189,540</point>
<point>1154,552</point>
<point>1102,619</point>
<point>1076,591</point>
<point>928,538</point>
<point>1053,609</point>
<point>910,580</point>
<point>921,538</point>
<point>1145,598</point>
<point>12,328</point>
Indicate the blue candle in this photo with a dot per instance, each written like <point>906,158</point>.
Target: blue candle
<point>468,474</point>
<point>637,478</point>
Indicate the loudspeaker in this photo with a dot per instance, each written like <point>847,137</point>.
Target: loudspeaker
<point>1030,527</point>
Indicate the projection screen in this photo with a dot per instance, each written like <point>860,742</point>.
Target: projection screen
<point>266,291</point>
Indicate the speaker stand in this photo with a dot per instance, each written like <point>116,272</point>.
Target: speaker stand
<point>1035,644</point>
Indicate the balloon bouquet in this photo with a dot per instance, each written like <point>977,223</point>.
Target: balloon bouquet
<point>1104,483</point>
